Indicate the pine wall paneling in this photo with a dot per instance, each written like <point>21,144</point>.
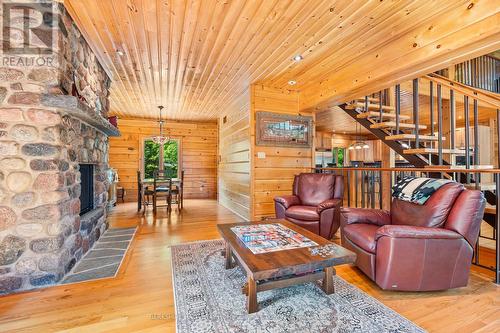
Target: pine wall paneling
<point>198,154</point>
<point>273,175</point>
<point>234,157</point>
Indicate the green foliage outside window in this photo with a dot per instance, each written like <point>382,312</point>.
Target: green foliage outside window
<point>170,163</point>
<point>152,158</point>
<point>338,156</point>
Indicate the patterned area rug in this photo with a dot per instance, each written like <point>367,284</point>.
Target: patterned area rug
<point>208,298</point>
<point>104,258</point>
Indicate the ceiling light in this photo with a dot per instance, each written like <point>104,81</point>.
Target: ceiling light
<point>292,82</point>
<point>298,58</point>
<point>120,52</point>
<point>351,148</point>
<point>405,145</point>
<point>161,139</point>
<point>358,147</point>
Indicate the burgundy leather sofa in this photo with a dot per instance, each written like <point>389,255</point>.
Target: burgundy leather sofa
<point>417,247</point>
<point>314,204</point>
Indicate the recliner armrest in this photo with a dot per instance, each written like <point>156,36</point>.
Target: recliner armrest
<point>406,231</point>
<point>288,200</point>
<point>364,215</point>
<point>327,204</point>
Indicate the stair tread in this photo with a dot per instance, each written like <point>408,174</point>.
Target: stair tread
<point>370,99</point>
<point>371,106</point>
<point>413,137</point>
<point>387,124</point>
<point>434,151</point>
<point>384,115</point>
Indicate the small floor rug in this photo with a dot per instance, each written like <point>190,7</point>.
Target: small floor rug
<point>105,257</point>
<point>208,298</point>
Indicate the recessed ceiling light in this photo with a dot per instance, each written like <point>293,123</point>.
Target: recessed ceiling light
<point>298,58</point>
<point>120,52</point>
<point>292,82</point>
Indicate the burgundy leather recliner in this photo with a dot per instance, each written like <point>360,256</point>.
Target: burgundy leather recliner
<point>315,203</point>
<point>417,247</point>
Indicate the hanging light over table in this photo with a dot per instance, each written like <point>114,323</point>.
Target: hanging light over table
<point>161,139</point>
<point>359,144</point>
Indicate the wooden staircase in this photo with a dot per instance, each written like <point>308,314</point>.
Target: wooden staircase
<point>429,146</point>
<point>422,145</point>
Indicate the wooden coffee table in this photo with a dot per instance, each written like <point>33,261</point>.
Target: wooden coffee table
<point>284,268</point>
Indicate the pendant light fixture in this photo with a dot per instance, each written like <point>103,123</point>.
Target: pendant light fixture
<point>161,139</point>
<point>359,144</point>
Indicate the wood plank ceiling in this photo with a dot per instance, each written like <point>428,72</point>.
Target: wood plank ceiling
<point>195,56</point>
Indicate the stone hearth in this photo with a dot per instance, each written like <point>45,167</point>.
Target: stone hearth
<point>45,133</point>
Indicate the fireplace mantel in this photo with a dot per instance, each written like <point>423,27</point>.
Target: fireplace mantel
<point>72,106</point>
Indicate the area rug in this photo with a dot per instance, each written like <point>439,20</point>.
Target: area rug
<point>105,257</point>
<point>208,298</point>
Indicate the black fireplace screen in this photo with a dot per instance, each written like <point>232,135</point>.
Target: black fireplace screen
<point>87,183</point>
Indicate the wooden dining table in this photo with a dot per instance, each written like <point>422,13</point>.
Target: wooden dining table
<point>150,182</point>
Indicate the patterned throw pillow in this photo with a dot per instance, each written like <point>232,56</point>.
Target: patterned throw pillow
<point>417,190</point>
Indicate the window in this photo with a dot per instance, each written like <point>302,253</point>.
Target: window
<point>156,156</point>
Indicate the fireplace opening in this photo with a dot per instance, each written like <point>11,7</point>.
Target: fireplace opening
<point>87,184</point>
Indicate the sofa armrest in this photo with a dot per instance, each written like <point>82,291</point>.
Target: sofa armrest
<point>406,231</point>
<point>327,204</point>
<point>364,215</point>
<point>288,200</point>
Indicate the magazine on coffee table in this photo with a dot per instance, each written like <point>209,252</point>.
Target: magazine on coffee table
<point>265,238</point>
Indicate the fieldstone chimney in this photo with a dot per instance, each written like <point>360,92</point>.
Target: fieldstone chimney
<point>53,118</point>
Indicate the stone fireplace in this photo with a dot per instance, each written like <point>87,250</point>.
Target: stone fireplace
<point>53,121</point>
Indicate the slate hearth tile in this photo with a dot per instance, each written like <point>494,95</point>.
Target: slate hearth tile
<point>124,230</point>
<point>98,273</point>
<point>87,264</point>
<point>105,238</point>
<point>104,253</point>
<point>111,245</point>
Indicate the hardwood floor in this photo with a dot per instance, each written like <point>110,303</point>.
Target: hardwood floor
<point>140,298</point>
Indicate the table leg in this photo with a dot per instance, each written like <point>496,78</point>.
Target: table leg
<point>229,257</point>
<point>252,305</point>
<point>328,286</point>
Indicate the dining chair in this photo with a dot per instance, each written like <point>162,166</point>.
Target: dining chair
<point>162,187</point>
<point>144,194</point>
<point>178,192</point>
